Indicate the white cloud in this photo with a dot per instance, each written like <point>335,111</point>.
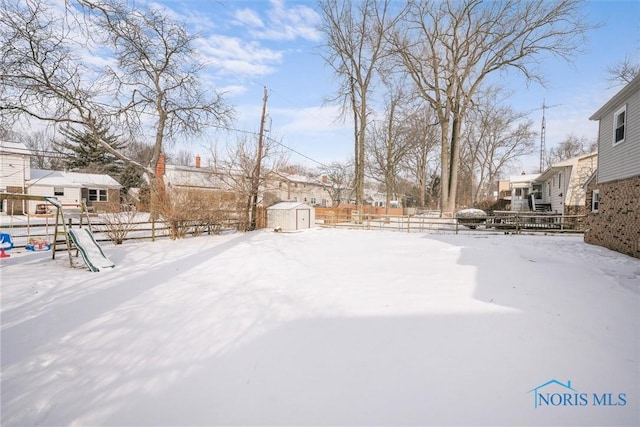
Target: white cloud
<point>310,119</point>
<point>233,55</point>
<point>283,23</point>
<point>249,18</point>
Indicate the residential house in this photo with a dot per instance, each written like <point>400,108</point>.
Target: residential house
<point>298,188</point>
<point>613,193</point>
<point>15,170</point>
<point>100,192</point>
<point>522,186</point>
<point>560,189</point>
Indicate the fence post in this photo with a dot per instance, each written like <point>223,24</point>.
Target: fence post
<point>153,230</point>
<point>517,223</point>
<point>456,220</point>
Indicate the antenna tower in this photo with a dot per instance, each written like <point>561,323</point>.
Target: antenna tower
<point>543,134</point>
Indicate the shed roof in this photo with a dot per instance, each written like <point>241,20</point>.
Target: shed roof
<point>289,206</point>
<point>43,177</point>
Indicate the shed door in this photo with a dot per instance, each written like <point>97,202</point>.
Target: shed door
<point>302,219</point>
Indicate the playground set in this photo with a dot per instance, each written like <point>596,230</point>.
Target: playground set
<point>81,239</point>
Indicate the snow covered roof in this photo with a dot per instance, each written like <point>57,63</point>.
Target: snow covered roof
<point>289,206</point>
<point>524,178</point>
<point>190,176</point>
<point>43,177</point>
<point>7,147</point>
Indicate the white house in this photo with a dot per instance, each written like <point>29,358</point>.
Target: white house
<point>522,186</point>
<point>563,183</point>
<point>16,176</point>
<point>14,169</point>
<point>99,191</point>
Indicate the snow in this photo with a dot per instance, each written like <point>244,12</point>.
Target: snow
<point>324,327</point>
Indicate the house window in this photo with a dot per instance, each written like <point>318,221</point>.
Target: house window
<point>619,121</point>
<point>560,180</point>
<point>58,191</point>
<point>324,202</point>
<point>595,200</point>
<point>97,195</point>
<point>313,200</point>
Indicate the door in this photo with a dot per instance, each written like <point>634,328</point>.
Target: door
<point>302,219</point>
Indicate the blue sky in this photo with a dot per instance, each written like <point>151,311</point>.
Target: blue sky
<point>252,44</point>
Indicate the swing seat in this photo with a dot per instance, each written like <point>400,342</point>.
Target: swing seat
<point>5,244</point>
<point>37,244</point>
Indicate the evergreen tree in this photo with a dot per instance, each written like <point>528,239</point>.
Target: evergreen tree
<point>82,152</point>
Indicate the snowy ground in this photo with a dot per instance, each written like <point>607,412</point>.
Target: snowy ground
<point>326,327</point>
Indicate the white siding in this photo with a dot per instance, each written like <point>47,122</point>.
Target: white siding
<point>71,195</point>
<point>623,160</point>
<point>14,170</point>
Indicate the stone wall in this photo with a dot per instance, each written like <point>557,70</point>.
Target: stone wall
<point>616,225</point>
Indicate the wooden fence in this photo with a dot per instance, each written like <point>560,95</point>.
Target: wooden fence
<point>508,223</point>
<point>138,230</point>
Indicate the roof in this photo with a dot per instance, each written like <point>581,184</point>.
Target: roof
<point>289,206</point>
<point>553,169</point>
<point>615,101</point>
<point>302,179</point>
<point>190,176</point>
<point>7,147</point>
<point>42,177</point>
<point>524,178</point>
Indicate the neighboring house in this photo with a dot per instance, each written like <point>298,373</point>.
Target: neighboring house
<point>561,186</point>
<point>100,192</point>
<point>613,193</point>
<point>298,188</point>
<point>522,186</point>
<point>190,177</point>
<point>15,170</point>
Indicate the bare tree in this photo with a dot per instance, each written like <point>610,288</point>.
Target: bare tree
<point>571,146</point>
<point>624,71</point>
<point>339,180</point>
<point>235,165</point>
<point>388,144</point>
<point>450,47</point>
<point>152,82</point>
<point>355,44</point>
<point>423,137</point>
<point>493,137</point>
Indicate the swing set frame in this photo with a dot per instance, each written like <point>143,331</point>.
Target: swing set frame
<point>60,223</point>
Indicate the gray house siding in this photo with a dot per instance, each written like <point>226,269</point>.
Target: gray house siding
<point>622,160</point>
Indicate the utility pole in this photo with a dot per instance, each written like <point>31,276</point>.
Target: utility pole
<point>255,179</point>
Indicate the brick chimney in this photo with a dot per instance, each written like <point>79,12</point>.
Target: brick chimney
<point>325,179</point>
<point>160,165</point>
<point>198,161</point>
<point>160,169</point>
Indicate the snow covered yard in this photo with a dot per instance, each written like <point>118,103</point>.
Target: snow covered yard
<point>325,327</point>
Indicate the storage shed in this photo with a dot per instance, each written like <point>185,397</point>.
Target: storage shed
<point>290,216</point>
